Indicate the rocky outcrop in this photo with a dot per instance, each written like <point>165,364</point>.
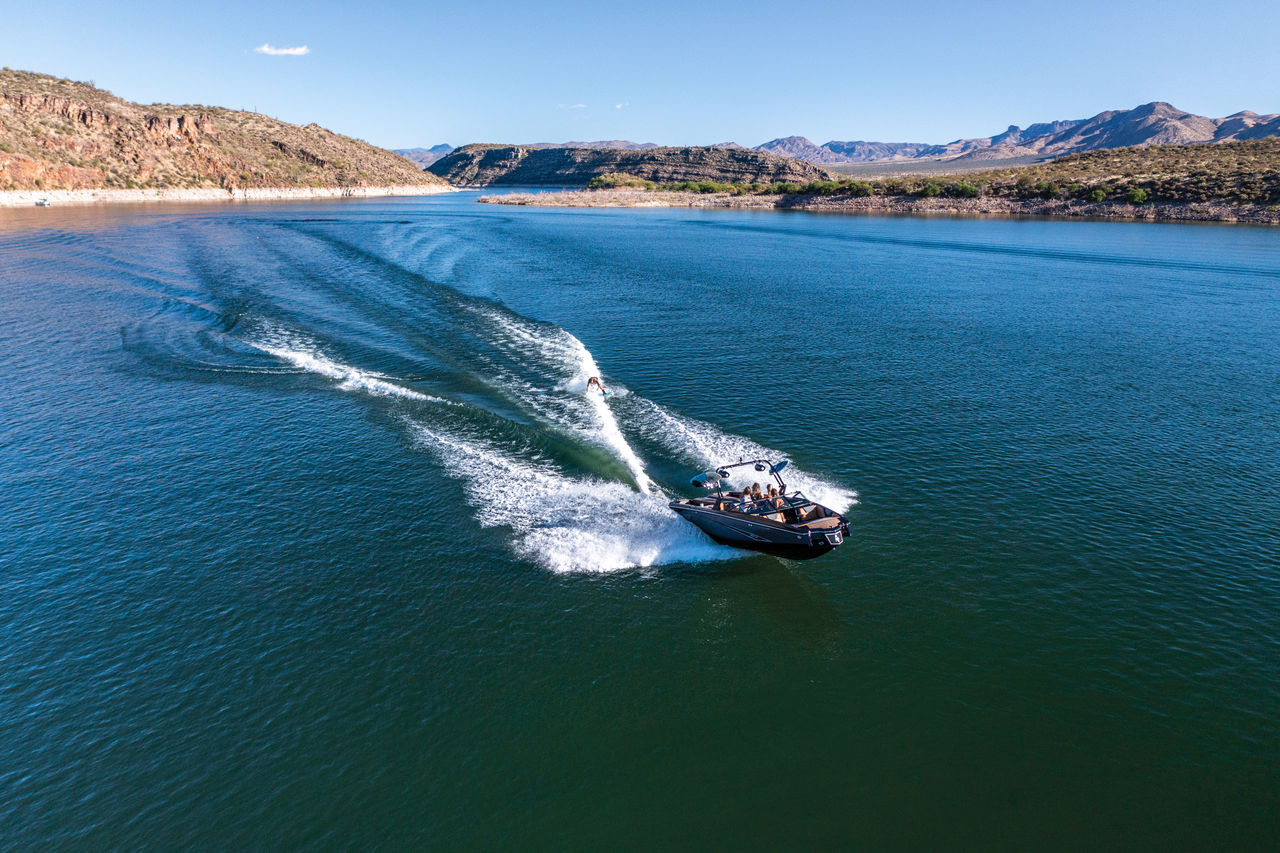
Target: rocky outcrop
<point>62,134</point>
<point>518,165</point>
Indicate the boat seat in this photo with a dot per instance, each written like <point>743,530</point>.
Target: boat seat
<point>821,523</point>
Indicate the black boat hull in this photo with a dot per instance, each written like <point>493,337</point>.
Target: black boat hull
<point>741,531</point>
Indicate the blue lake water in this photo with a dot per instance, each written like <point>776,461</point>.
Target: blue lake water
<point>311,538</point>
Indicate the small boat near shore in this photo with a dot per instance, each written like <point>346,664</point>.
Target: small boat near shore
<point>789,525</point>
<point>42,202</point>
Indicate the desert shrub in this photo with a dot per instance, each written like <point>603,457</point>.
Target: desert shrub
<point>1097,194</point>
<point>698,187</point>
<point>614,180</point>
<point>892,186</point>
<point>963,189</point>
<point>820,188</point>
<point>931,189</point>
<point>1137,195</point>
<point>1047,189</point>
<point>859,189</point>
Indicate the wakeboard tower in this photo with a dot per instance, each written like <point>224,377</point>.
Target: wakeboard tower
<point>790,525</point>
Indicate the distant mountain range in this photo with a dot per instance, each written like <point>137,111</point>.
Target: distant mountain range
<point>424,157</point>
<point>1157,123</point>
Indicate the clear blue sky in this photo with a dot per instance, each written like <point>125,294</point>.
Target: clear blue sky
<point>402,74</point>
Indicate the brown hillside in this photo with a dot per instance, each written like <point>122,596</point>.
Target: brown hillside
<point>61,134</point>
<point>518,165</point>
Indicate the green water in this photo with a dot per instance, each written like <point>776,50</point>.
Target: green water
<point>311,540</point>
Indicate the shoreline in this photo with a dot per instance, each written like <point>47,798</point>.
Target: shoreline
<point>905,205</point>
<point>58,198</point>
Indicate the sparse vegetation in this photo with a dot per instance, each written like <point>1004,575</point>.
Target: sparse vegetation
<point>69,135</point>
<point>1230,172</point>
<point>616,180</point>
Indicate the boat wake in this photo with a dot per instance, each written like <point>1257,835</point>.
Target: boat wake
<point>567,524</point>
<point>499,400</point>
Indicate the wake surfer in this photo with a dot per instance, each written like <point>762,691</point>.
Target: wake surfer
<point>595,381</point>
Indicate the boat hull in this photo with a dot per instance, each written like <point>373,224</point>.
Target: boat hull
<point>767,537</point>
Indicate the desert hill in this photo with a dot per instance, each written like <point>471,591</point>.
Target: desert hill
<point>62,134</point>
<point>522,165</point>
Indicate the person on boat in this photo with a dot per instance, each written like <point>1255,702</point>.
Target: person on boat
<point>756,494</point>
<point>594,381</point>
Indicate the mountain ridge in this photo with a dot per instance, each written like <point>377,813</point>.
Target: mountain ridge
<point>1154,123</point>
<point>523,165</point>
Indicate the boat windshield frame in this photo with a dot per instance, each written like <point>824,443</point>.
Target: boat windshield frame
<point>773,468</point>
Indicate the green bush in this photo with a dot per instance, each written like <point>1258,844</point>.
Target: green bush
<point>1097,194</point>
<point>931,189</point>
<point>859,189</point>
<point>614,180</point>
<point>963,189</point>
<point>893,186</point>
<point>820,188</point>
<point>1137,195</point>
<point>1047,189</point>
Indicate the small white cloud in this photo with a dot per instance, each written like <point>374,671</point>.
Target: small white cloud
<point>572,106</point>
<point>621,105</point>
<point>282,51</point>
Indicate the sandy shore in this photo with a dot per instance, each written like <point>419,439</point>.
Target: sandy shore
<point>907,205</point>
<point>28,198</point>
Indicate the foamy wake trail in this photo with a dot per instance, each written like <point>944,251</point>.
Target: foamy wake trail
<point>567,524</point>
<point>562,351</point>
<point>704,445</point>
<point>307,356</point>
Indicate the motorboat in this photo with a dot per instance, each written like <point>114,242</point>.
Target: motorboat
<point>790,525</point>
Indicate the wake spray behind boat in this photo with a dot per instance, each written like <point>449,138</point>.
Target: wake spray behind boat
<point>789,525</point>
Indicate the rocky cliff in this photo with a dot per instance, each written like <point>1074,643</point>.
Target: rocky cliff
<point>61,134</point>
<point>515,165</point>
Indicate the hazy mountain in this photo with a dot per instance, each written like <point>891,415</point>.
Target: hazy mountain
<point>1156,123</point>
<point>424,157</point>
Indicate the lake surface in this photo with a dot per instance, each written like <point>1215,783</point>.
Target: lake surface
<point>311,539</point>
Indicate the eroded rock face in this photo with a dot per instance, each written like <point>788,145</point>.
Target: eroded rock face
<point>60,107</point>
<point>24,172</point>
<point>182,126</point>
<point>515,165</point>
